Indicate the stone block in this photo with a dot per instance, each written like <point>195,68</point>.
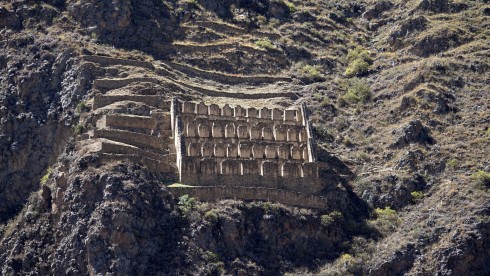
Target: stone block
<point>227,111</point>
<point>267,134</point>
<point>305,153</point>
<point>242,131</point>
<point>255,133</point>
<point>310,170</point>
<point>290,115</point>
<point>281,133</point>
<point>220,150</point>
<point>207,150</point>
<point>271,152</point>
<point>230,167</point>
<point>208,166</point>
<point>217,130</point>
<point>303,138</point>
<point>202,109</point>
<point>269,169</point>
<point>191,130</point>
<point>296,153</point>
<point>232,151</point>
<point>194,149</point>
<point>265,113</point>
<point>284,152</point>
<point>203,131</point>
<point>190,166</point>
<point>244,150</point>
<point>258,151</point>
<point>188,107</point>
<point>277,114</point>
<point>230,130</point>
<point>214,110</point>
<point>240,111</point>
<point>249,167</point>
<point>291,170</point>
<point>252,113</point>
<point>292,134</point>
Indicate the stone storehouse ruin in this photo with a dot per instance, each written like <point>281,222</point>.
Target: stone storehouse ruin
<point>217,152</point>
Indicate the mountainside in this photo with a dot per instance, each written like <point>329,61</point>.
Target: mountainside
<point>398,93</point>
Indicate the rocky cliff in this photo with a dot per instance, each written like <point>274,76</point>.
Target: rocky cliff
<point>398,93</point>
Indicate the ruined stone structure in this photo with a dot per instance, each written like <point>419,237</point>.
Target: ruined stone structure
<point>246,147</point>
<point>216,151</point>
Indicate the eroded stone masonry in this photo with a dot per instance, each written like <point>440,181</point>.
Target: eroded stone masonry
<point>246,147</point>
<point>217,151</point>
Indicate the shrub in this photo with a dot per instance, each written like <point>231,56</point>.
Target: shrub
<point>386,220</point>
<point>359,53</point>
<point>325,102</point>
<point>417,195</point>
<point>452,163</point>
<point>78,129</point>
<point>266,44</point>
<point>310,72</point>
<point>292,8</point>
<point>186,203</point>
<point>358,92</point>
<point>82,107</point>
<point>328,219</point>
<point>357,68</point>
<point>211,216</point>
<point>482,178</point>
<point>359,61</point>
<point>45,177</point>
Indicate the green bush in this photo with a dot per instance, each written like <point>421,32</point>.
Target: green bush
<point>186,203</point>
<point>328,219</point>
<point>310,72</point>
<point>359,61</point>
<point>45,177</point>
<point>78,129</point>
<point>82,107</point>
<point>386,220</point>
<point>291,6</point>
<point>417,195</point>
<point>358,91</point>
<point>452,163</point>
<point>266,44</point>
<point>359,53</point>
<point>211,216</point>
<point>482,178</point>
<point>357,68</point>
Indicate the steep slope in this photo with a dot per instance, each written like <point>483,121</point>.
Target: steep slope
<point>398,94</point>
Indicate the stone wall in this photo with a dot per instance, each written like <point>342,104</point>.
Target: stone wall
<point>237,146</point>
<point>132,138</point>
<point>214,193</point>
<point>150,100</point>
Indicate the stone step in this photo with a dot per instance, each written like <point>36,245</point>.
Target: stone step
<point>109,61</point>
<point>115,83</point>
<point>214,193</point>
<point>140,140</point>
<point>150,100</point>
<point>226,78</point>
<point>159,121</point>
<point>167,167</point>
<point>109,146</point>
